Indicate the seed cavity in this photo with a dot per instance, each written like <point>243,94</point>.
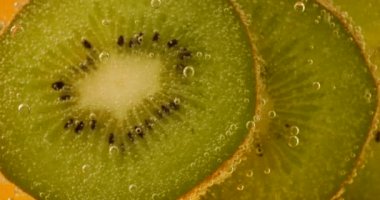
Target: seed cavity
<point>172,43</point>
<point>58,85</point>
<point>86,44</point>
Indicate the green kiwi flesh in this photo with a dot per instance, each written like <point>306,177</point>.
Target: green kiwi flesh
<point>366,183</point>
<point>320,104</point>
<point>67,68</point>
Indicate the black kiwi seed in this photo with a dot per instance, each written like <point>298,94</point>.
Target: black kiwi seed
<point>156,36</point>
<point>377,136</point>
<point>120,40</point>
<point>148,124</point>
<point>58,85</point>
<point>165,109</point>
<point>184,54</point>
<point>93,124</point>
<point>172,43</point>
<point>86,44</point>
<point>65,97</point>
<point>111,138</point>
<point>130,137</point>
<point>69,123</point>
<point>79,127</point>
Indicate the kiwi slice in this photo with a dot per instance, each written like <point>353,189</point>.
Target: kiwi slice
<point>366,184</point>
<point>122,99</point>
<point>318,110</point>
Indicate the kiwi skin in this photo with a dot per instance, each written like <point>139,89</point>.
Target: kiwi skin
<point>69,153</point>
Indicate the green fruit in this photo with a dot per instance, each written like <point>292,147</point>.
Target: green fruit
<point>322,90</point>
<point>122,99</point>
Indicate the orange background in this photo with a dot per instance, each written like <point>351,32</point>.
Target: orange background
<point>8,8</point>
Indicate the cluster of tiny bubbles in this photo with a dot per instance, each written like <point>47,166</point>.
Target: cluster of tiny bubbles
<point>240,187</point>
<point>299,6</point>
<point>316,85</point>
<point>272,114</point>
<point>23,109</point>
<point>310,61</point>
<point>155,3</point>
<point>294,130</point>
<point>106,22</point>
<point>293,141</point>
<point>103,56</point>
<point>113,150</point>
<point>132,188</point>
<point>249,173</point>
<point>188,71</point>
<point>250,124</point>
<point>267,171</point>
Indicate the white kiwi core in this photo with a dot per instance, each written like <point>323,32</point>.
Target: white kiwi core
<point>120,83</point>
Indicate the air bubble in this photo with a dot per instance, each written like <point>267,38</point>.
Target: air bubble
<point>132,188</point>
<point>151,55</point>
<point>177,101</point>
<point>85,168</point>
<point>92,116</point>
<point>16,29</point>
<point>310,61</point>
<point>154,196</point>
<point>103,56</point>
<point>259,150</point>
<point>249,173</point>
<point>368,95</point>
<point>24,109</point>
<point>106,22</point>
<point>240,187</point>
<point>267,171</point>
<point>199,54</point>
<point>294,130</point>
<point>293,141</point>
<point>155,3</point>
<point>256,118</point>
<point>272,114</point>
<point>299,6</point>
<point>188,71</point>
<point>113,150</point>
<point>250,124</point>
<point>316,85</point>
<point>208,56</point>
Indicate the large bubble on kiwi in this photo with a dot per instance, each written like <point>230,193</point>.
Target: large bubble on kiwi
<point>160,147</point>
<point>320,105</point>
